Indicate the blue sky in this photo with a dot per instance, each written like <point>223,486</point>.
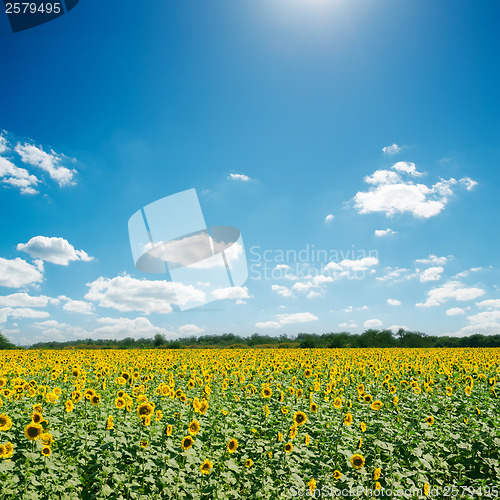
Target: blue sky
<point>384,115</point>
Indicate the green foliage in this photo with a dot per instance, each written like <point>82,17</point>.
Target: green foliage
<point>4,342</point>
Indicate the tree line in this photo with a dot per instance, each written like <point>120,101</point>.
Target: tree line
<point>369,338</point>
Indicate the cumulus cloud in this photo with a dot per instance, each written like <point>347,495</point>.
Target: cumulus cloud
<point>372,323</point>
<point>394,302</point>
<point>352,265</point>
<point>329,218</point>
<point>392,149</point>
<point>348,325</point>
<point>21,312</point>
<point>407,168</point>
<point>15,176</point>
<point>434,259</point>
<point>49,162</point>
<point>289,319</point>
<point>431,274</point>
<point>490,303</point>
<point>125,293</point>
<point>78,306</point>
<point>3,144</point>
<point>17,272</point>
<point>232,292</point>
<point>391,194</point>
<point>451,290</point>
<point>282,290</point>
<point>268,324</point>
<point>239,177</point>
<point>384,232</point>
<point>125,327</point>
<point>395,274</point>
<point>25,300</point>
<point>190,329</point>
<point>454,311</point>
<point>53,249</point>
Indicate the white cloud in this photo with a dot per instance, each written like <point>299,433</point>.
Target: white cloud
<point>55,250</point>
<point>282,290</point>
<point>395,328</point>
<point>49,162</point>
<point>313,294</point>
<point>301,287</point>
<point>78,306</point>
<point>21,312</point>
<point>348,325</point>
<point>451,290</point>
<point>17,272</point>
<point>232,292</point>
<point>434,259</point>
<point>268,324</point>
<point>391,194</point>
<point>407,168</point>
<point>396,274</point>
<point>289,319</point>
<point>384,232</point>
<point>18,177</point>
<point>392,149</point>
<point>329,218</point>
<point>25,300</point>
<point>490,303</point>
<point>350,309</point>
<point>352,265</point>
<point>484,317</point>
<point>468,183</point>
<point>372,323</point>
<point>51,323</point>
<point>187,330</point>
<point>124,293</point>
<point>3,144</point>
<point>454,311</point>
<point>282,266</point>
<point>394,302</point>
<point>431,274</point>
<point>125,327</point>
<point>239,177</point>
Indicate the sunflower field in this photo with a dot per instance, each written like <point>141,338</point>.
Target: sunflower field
<point>249,423</point>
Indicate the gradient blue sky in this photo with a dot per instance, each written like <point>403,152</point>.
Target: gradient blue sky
<point>117,104</point>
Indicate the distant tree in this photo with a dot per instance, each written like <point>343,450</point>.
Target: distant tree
<point>159,340</point>
<point>4,342</point>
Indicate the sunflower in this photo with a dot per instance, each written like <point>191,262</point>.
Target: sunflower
<point>69,406</point>
<point>8,449</point>
<point>206,467</point>
<point>360,442</point>
<point>232,445</point>
<point>430,420</point>
<point>46,438</point>
<point>36,417</point>
<point>194,427</point>
<point>307,440</point>
<point>5,422</point>
<point>367,398</point>
<point>337,403</point>
<point>293,431</point>
<point>307,373</point>
<point>168,430</point>
<point>468,391</point>
<point>362,426</point>
<point>2,451</point>
<point>299,418</point>
<point>158,415</point>
<point>312,485</point>
<point>145,410</point>
<point>203,406</point>
<point>284,410</point>
<point>357,461</point>
<point>88,394</point>
<point>248,463</point>
<point>376,473</point>
<point>187,442</point>
<point>144,443</point>
<point>395,401</point>
<point>426,489</point>
<point>348,419</point>
<point>376,405</point>
<point>95,399</point>
<point>378,486</point>
<point>109,423</point>
<point>288,447</point>
<point>280,437</point>
<point>120,403</point>
<point>46,451</point>
<point>337,474</point>
<point>32,431</point>
<point>266,392</point>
